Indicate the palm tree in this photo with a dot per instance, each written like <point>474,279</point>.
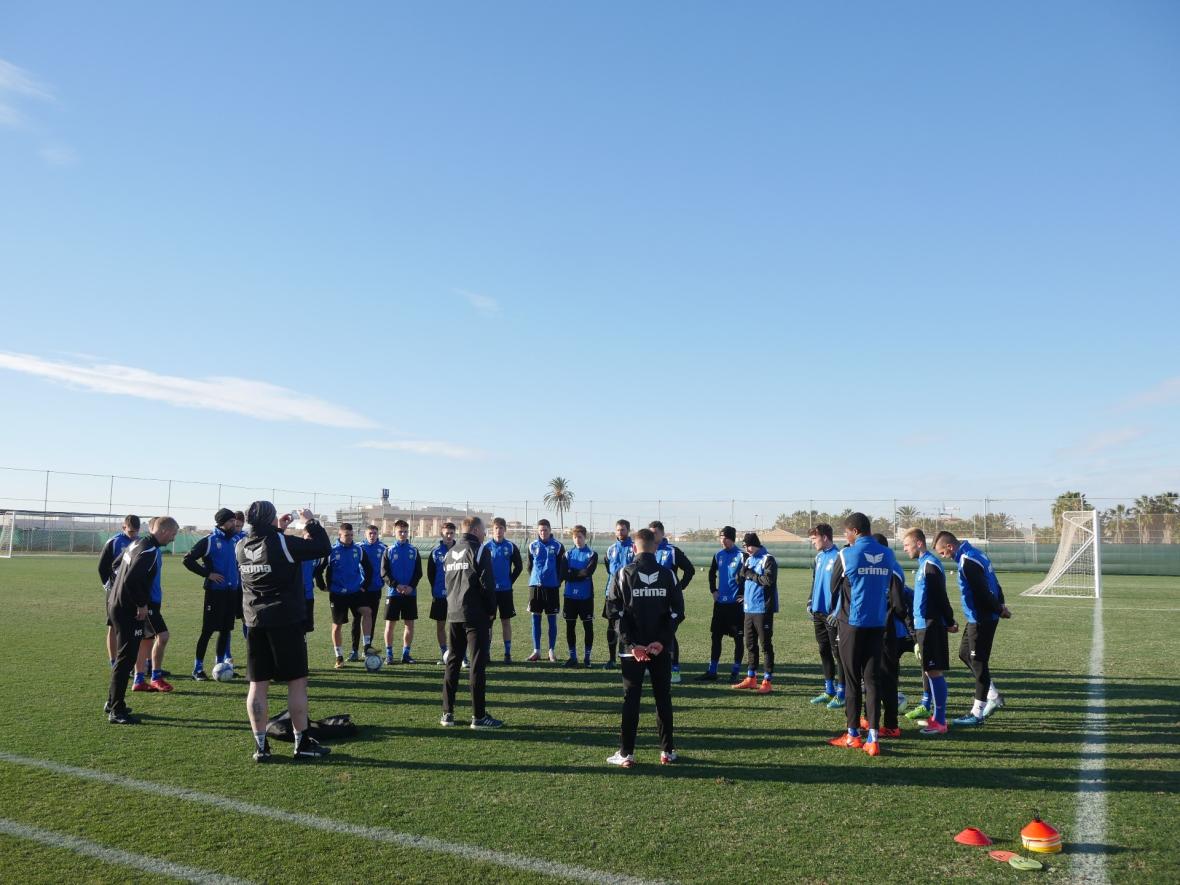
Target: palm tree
<point>1168,505</point>
<point>1144,512</point>
<point>906,515</point>
<point>1115,517</point>
<point>559,498</point>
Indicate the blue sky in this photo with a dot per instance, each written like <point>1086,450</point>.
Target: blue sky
<point>773,250</point>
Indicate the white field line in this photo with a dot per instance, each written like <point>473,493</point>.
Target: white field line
<point>474,853</point>
<point>116,856</point>
<point>1090,865</point>
<point>1113,608</point>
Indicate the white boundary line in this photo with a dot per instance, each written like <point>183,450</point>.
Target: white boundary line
<point>375,834</point>
<point>1090,866</point>
<point>116,856</point>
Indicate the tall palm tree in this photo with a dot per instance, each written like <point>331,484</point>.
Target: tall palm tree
<point>906,515</point>
<point>1115,517</point>
<point>559,498</point>
<point>1168,505</point>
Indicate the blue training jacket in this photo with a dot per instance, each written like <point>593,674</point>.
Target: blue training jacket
<point>618,555</point>
<point>402,557</point>
<point>920,619</point>
<point>900,630</point>
<point>501,554</point>
<point>868,568</point>
<point>579,557</point>
<point>821,581</point>
<point>308,572</point>
<point>348,575</point>
<point>759,600</point>
<point>438,589</point>
<point>966,551</point>
<point>728,563</point>
<point>374,553</point>
<point>224,559</point>
<point>545,555</point>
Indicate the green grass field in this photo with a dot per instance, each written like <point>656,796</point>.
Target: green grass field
<point>758,796</point>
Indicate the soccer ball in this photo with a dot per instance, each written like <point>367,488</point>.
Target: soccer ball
<point>223,672</point>
<point>373,663</point>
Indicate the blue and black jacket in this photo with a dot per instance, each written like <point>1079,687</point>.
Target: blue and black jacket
<point>579,579</point>
<point>759,573</point>
<point>931,604</point>
<point>723,575</point>
<point>672,557</point>
<point>374,553</point>
<point>821,581</point>
<point>861,579</point>
<point>401,565</point>
<point>982,595</point>
<point>618,555</point>
<point>436,572</point>
<point>346,570</point>
<point>547,563</point>
<point>506,563</point>
<point>108,560</point>
<point>215,554</point>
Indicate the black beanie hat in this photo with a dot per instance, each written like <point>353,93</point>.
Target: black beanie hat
<point>222,516</point>
<point>261,515</point>
<point>751,540</point>
<point>729,532</point>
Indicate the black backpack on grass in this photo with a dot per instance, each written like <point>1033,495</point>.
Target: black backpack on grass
<point>327,730</point>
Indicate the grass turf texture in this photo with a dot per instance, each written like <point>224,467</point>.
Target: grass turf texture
<point>758,796</point>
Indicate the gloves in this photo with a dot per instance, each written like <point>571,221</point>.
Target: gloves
<point>833,619</point>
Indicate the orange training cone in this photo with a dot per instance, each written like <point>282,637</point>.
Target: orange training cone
<point>973,836</point>
<point>1040,836</point>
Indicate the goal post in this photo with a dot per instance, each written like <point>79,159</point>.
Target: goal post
<point>1076,570</point>
<point>7,533</point>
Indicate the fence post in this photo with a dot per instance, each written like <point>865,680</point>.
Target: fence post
<point>45,507</point>
<point>218,493</point>
<point>111,496</point>
<point>896,521</point>
<point>731,511</point>
<point>985,500</point>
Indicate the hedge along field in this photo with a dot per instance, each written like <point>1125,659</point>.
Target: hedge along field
<point>758,794</point>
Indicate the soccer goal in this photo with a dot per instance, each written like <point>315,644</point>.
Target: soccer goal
<point>1077,568</point>
<point>7,533</point>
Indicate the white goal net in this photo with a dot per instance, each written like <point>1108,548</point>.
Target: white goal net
<point>7,533</point>
<point>1077,568</point>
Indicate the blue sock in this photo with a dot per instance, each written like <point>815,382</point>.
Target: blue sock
<point>751,673</point>
<point>138,678</point>
<point>735,669</point>
<point>675,668</point>
<point>536,632</point>
<point>228,654</point>
<point>829,686</point>
<point>713,667</point>
<point>552,632</point>
<point>872,735</point>
<point>926,699</point>
<point>507,646</point>
<point>938,686</point>
<point>443,649</point>
<point>405,651</point>
<point>766,676</point>
<point>840,692</point>
<point>587,654</point>
<point>156,674</point>
<point>854,732</point>
<point>573,653</point>
<point>389,651</point>
<point>198,664</point>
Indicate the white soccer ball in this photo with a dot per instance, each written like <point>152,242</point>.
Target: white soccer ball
<point>223,672</point>
<point>373,662</point>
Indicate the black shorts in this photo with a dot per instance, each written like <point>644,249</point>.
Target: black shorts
<point>371,599</point>
<point>543,600</point>
<point>156,619</point>
<point>401,608</point>
<point>438,609</point>
<point>237,604</point>
<point>505,607</point>
<point>342,604</point>
<point>934,647</point>
<point>578,609</point>
<point>606,612</point>
<point>276,653</point>
<point>219,610</point>
<point>309,618</point>
<point>728,619</point>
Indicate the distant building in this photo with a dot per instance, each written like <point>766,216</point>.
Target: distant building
<point>425,522</point>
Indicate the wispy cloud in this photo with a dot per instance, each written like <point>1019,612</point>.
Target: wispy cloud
<point>239,396</point>
<point>485,304</point>
<point>434,448</point>
<point>1103,441</point>
<point>58,155</point>
<point>17,84</point>
<point>1167,391</point>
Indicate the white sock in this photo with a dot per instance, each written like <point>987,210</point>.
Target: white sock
<point>992,692</point>
<point>977,708</point>
<point>368,641</point>
<point>298,735</point>
<point>260,739</point>
<point>339,650</point>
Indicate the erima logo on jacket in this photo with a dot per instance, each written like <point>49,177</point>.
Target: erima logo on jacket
<point>459,561</point>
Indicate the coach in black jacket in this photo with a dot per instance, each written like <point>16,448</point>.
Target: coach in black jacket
<point>127,609</point>
<point>273,608</point>
<point>648,602</point>
<point>471,603</point>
